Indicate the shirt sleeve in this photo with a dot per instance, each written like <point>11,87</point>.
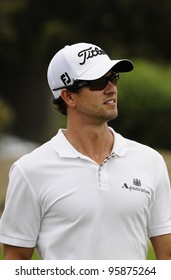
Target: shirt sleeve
<point>160,215</point>
<point>20,221</point>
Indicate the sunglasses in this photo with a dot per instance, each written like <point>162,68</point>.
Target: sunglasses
<point>98,84</point>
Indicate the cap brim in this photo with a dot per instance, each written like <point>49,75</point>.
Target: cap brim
<point>122,65</point>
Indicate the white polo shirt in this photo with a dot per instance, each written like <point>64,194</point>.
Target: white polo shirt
<point>70,207</point>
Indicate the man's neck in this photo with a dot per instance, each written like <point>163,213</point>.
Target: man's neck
<point>94,142</point>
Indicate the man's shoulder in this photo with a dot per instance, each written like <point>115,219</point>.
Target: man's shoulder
<point>38,156</point>
<point>133,146</point>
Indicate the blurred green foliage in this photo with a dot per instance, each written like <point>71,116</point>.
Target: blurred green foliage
<point>145,104</point>
<point>7,115</point>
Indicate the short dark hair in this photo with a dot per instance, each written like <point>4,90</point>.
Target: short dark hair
<point>60,105</point>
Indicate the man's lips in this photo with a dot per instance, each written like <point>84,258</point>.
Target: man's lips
<point>110,101</point>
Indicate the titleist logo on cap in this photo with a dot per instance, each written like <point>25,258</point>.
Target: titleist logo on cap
<point>90,53</point>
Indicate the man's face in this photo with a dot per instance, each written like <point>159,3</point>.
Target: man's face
<point>97,106</point>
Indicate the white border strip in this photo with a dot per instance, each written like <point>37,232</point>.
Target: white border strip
<point>80,270</point>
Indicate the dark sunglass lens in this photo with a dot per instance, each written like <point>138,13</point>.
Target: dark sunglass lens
<point>99,84</point>
<point>114,78</point>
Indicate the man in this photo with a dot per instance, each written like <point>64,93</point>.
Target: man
<point>88,193</point>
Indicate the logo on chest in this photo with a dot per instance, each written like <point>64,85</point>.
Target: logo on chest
<point>136,186</point>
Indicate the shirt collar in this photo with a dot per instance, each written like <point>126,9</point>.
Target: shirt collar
<point>64,149</point>
<point>120,146</point>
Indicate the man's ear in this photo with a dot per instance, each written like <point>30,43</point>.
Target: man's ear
<point>67,96</point>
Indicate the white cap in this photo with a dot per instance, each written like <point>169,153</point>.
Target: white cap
<point>81,61</point>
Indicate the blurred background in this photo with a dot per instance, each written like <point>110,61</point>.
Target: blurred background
<point>32,31</point>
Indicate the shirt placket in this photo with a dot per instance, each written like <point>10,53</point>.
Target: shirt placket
<point>103,179</point>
